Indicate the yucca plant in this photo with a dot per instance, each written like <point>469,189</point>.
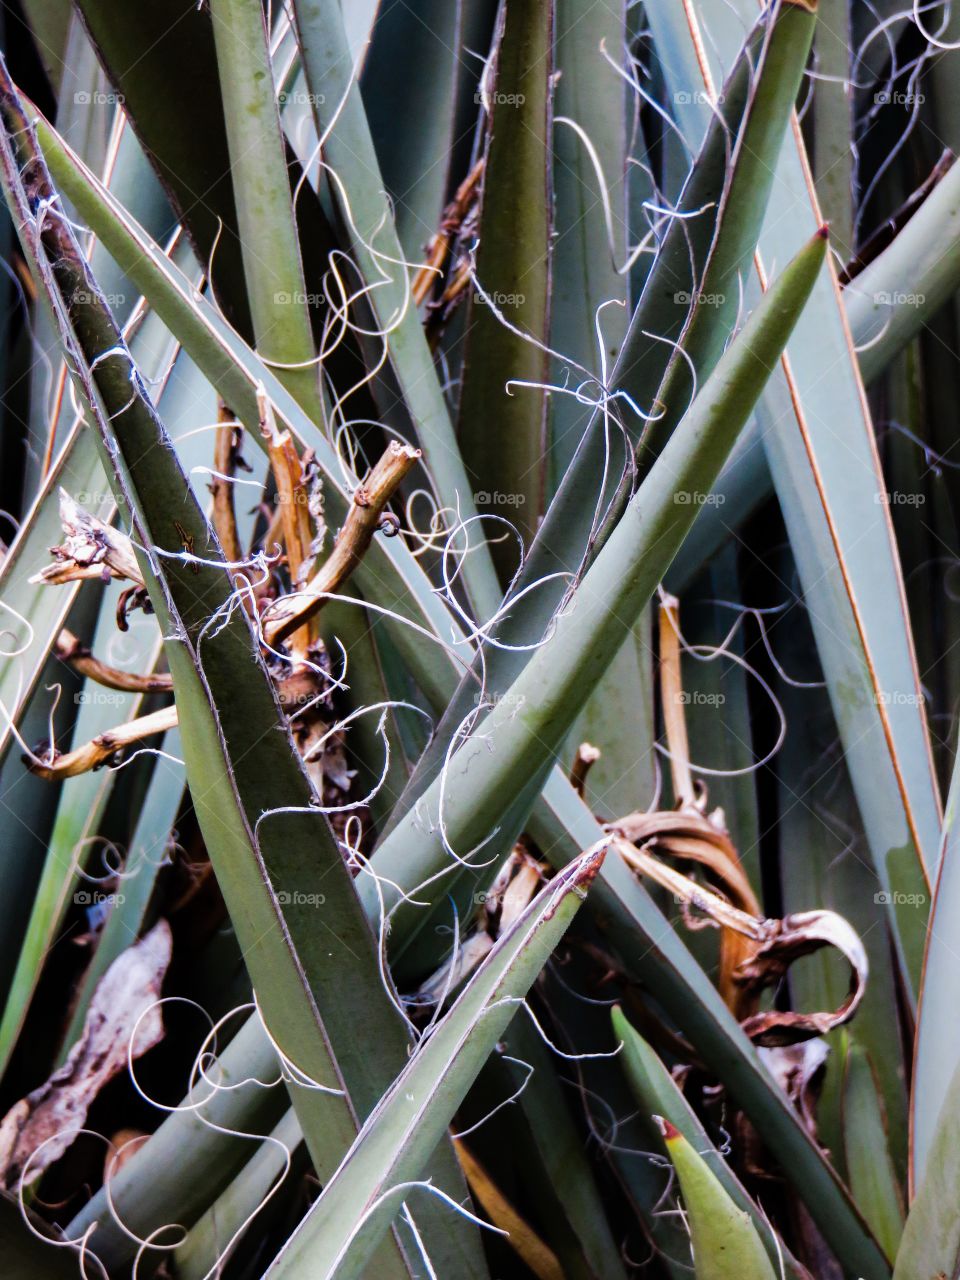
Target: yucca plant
<point>479,668</point>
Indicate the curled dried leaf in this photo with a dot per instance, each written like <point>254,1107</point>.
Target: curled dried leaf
<point>774,945</point>
<point>124,1017</point>
<point>798,935</point>
<point>690,835</point>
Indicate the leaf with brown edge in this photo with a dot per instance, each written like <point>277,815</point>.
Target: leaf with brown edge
<point>124,1018</point>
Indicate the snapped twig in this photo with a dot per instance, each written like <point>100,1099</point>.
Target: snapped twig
<point>586,757</point>
<point>69,649</point>
<point>101,749</point>
<point>292,507</point>
<point>225,454</point>
<point>671,694</point>
<point>282,617</point>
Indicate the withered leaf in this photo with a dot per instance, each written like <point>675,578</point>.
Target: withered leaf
<point>798,935</point>
<point>124,1005</point>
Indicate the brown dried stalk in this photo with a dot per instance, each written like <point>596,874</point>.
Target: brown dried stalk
<point>586,757</point>
<point>282,617</point>
<point>69,649</point>
<point>438,250</point>
<point>688,833</point>
<point>292,497</point>
<point>292,505</point>
<point>671,695</point>
<point>101,749</point>
<point>225,452</point>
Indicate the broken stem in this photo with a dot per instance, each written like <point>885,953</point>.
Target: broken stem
<point>283,617</point>
<point>224,515</point>
<point>691,894</point>
<point>587,756</point>
<point>671,695</point>
<point>99,750</point>
<point>69,649</point>
<point>292,507</point>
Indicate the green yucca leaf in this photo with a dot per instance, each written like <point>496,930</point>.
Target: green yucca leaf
<point>142,865</point>
<point>501,429</point>
<point>338,1236</point>
<point>510,758</point>
<point>276,288</point>
<point>833,121</point>
<point>815,801</point>
<point>78,470</point>
<point>597,482</point>
<point>938,1038</point>
<point>726,1245</point>
<point>161,59</point>
<point>748,179</point>
<point>253,798</point>
<point>205,1246</point>
<point>236,371</point>
<point>411,109</point>
<point>930,1246</point>
<point>589,279</point>
<point>156,1185</point>
<point>658,1095</point>
<point>869,1167</point>
<point>892,298</point>
<point>562,826</point>
<point>73,843</point>
<point>49,21</point>
<point>368,226</point>
<point>559,1146</point>
<point>838,522</point>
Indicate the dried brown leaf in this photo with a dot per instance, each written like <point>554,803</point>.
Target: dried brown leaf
<point>124,1006</point>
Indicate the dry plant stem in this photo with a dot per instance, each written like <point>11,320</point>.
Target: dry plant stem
<point>99,750</point>
<point>690,835</point>
<point>587,756</point>
<point>291,492</point>
<point>292,507</point>
<point>691,894</point>
<point>699,845</point>
<point>54,416</point>
<point>224,463</point>
<point>69,649</point>
<point>363,519</point>
<point>671,693</point>
<point>438,250</point>
<point>90,549</point>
